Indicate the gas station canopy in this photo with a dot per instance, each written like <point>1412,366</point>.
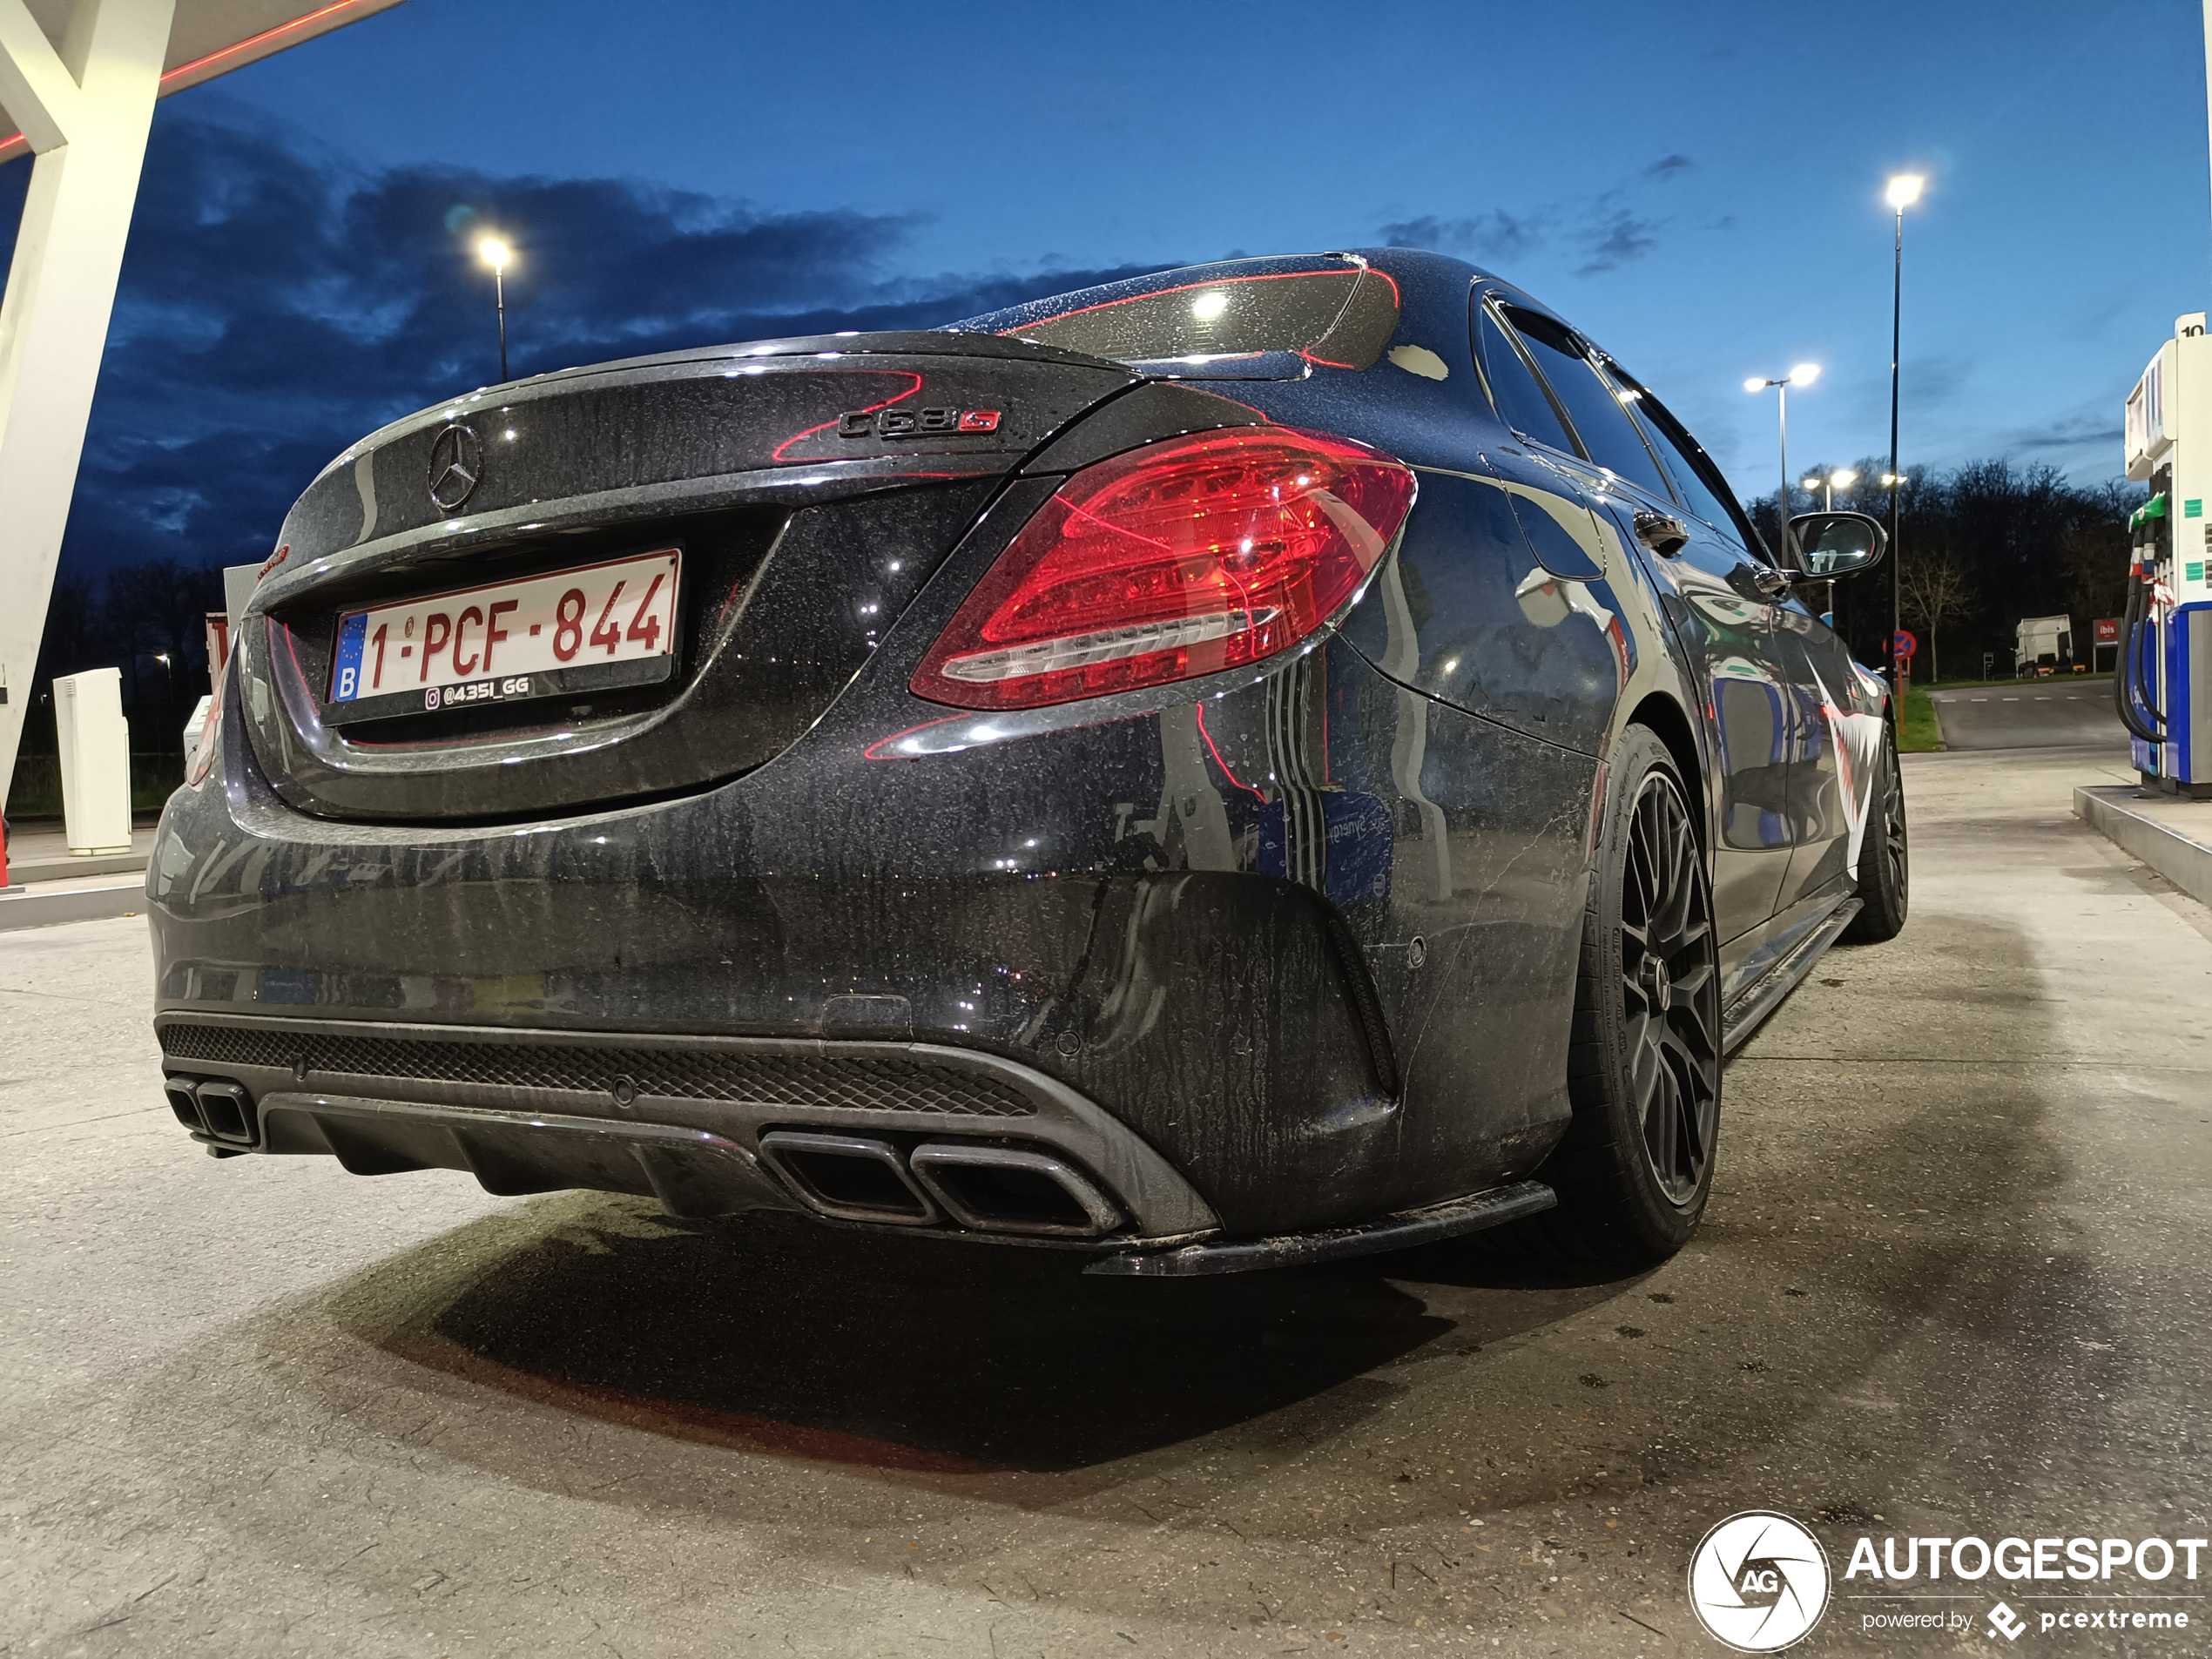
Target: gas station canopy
<point>209,37</point>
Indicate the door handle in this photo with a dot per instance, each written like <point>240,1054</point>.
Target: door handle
<point>1662,533</point>
<point>1760,582</point>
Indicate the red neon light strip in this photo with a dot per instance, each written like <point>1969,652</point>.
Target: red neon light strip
<point>776,454</point>
<point>1200,710</point>
<point>265,36</point>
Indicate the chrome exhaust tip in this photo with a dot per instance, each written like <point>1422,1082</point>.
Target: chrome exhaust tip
<point>228,1110</point>
<point>1006,1190</point>
<point>849,1177</point>
<point>184,1101</point>
<point>212,1106</point>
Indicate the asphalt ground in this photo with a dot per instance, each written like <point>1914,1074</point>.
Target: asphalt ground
<point>2029,714</point>
<point>1952,1281</point>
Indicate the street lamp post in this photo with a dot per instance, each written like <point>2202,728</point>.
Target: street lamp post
<point>1827,484</point>
<point>1905,190</point>
<point>495,253</point>
<point>1803,375</point>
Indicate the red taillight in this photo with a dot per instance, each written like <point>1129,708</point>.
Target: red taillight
<point>1189,556</point>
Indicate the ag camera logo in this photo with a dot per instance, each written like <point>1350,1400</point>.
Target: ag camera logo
<point>1758,1582</point>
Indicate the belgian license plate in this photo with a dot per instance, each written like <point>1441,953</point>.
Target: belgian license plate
<point>589,629</point>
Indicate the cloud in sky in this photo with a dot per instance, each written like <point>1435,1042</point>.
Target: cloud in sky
<point>275,306</point>
<point>1493,235</point>
<point>1618,237</point>
<point>2082,438</point>
<point>1602,229</point>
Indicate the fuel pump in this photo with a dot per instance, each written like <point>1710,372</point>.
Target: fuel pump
<point>2162,683</point>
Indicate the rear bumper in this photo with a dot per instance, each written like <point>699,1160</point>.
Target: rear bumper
<point>676,1118</point>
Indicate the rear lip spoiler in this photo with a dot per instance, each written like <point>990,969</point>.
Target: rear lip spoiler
<point>1492,1208</point>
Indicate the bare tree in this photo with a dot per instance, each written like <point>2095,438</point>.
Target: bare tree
<point>2095,557</point>
<point>1933,592</point>
<point>160,608</point>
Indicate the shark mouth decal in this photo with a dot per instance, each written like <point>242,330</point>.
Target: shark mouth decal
<point>1857,740</point>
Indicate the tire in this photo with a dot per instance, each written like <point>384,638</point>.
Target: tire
<point>1885,857</point>
<point>1635,1166</point>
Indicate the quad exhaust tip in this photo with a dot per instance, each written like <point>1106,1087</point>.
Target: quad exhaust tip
<point>212,1107</point>
<point>1005,1188</point>
<point>984,1188</point>
<point>849,1177</point>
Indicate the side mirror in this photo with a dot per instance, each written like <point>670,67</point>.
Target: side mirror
<point>1833,544</point>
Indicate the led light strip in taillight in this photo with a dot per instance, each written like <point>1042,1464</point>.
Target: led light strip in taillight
<point>1111,645</point>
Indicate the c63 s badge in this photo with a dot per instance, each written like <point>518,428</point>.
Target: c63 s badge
<point>916,423</point>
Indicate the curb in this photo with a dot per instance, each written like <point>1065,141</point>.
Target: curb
<point>81,904</point>
<point>2188,864</point>
<point>68,869</point>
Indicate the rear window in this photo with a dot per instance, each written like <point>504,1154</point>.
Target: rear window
<point>1342,314</point>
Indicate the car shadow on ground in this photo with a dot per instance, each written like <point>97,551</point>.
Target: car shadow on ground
<point>785,1336</point>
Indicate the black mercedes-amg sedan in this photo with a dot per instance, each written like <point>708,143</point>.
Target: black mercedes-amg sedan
<point>1261,762</point>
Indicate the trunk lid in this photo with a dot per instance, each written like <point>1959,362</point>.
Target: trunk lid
<point>807,488</point>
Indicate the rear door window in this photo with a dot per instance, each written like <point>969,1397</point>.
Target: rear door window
<point>1516,393</point>
<point>1609,436</point>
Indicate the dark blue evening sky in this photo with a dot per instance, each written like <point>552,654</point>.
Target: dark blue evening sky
<point>1698,186</point>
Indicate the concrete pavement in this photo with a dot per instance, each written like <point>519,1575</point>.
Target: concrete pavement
<point>1952,1281</point>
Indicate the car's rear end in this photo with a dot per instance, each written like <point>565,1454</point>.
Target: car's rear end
<point>870,775</point>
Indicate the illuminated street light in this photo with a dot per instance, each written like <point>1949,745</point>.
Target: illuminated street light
<point>1802,374</point>
<point>1905,190</point>
<point>1840,478</point>
<point>496,254</point>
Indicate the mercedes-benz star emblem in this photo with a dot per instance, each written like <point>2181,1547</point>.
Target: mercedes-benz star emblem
<point>456,462</point>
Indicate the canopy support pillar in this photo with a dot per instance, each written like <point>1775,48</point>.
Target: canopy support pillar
<point>85,110</point>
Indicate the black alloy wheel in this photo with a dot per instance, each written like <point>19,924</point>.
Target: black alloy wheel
<point>1635,1166</point>
<point>1885,857</point>
<point>1669,980</point>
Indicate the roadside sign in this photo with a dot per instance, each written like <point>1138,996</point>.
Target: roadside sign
<point>1902,644</point>
<point>2107,630</point>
